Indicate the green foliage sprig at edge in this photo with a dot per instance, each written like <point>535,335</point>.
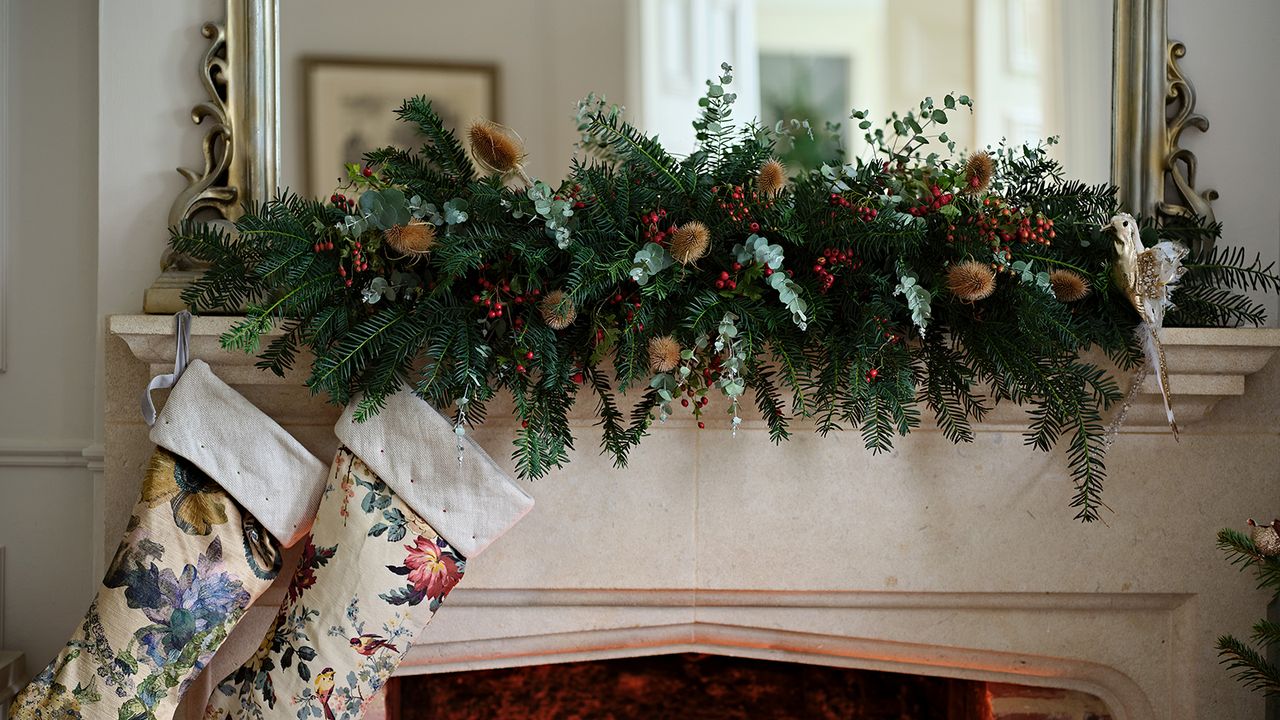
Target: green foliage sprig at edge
<point>1247,662</point>
<point>824,296</point>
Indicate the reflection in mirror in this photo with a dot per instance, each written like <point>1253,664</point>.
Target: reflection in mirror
<point>1035,68</point>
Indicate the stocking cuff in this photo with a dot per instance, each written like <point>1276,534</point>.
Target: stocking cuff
<point>263,467</point>
<point>413,449</point>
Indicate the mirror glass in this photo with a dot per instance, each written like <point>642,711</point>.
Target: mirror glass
<point>1035,68</point>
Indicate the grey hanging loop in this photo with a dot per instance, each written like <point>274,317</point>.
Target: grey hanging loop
<point>182,342</point>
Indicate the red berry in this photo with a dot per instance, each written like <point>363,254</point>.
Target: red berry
<point>684,402</point>
<point>524,423</point>
<point>528,355</point>
<point>724,275</point>
<point>755,227</point>
<point>577,377</point>
<point>368,171</point>
<point>520,369</point>
<point>719,284</point>
<point>737,266</point>
<point>702,425</point>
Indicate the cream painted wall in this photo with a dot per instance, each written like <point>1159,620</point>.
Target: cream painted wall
<point>46,395</point>
<point>90,201</point>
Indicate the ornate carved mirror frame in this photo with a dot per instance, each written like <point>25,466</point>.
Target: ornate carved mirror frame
<point>1152,104</point>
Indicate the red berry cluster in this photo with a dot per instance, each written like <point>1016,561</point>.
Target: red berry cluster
<point>831,261</point>
<point>862,210</point>
<point>323,245</point>
<point>890,336</point>
<point>736,203</point>
<point>932,204</point>
<point>359,262</point>
<point>343,203</point>
<point>727,281</point>
<point>496,298</point>
<point>999,226</point>
<point>651,230</point>
<point>520,359</point>
<point>629,303</point>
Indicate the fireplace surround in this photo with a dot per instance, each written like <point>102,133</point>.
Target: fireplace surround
<point>955,562</point>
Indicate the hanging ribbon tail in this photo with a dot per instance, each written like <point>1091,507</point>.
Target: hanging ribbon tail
<point>181,352</point>
<point>1155,359</point>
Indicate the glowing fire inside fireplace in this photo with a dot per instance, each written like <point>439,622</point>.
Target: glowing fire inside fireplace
<point>718,687</point>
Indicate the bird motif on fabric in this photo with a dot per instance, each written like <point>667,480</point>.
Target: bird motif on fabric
<point>1146,276</point>
<point>369,643</point>
<point>324,690</point>
<point>1266,537</point>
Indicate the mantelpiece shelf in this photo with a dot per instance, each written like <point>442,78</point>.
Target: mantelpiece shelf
<point>1206,365</point>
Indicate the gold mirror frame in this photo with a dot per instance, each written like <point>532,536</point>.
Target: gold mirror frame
<point>1152,104</point>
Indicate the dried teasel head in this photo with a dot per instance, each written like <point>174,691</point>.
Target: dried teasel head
<point>978,171</point>
<point>558,310</point>
<point>1069,285</point>
<point>416,238</point>
<point>971,281</point>
<point>772,178</point>
<point>689,242</point>
<point>664,353</point>
<point>494,147</point>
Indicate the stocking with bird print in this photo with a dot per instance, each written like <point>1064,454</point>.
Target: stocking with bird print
<point>400,519</point>
<point>224,490</point>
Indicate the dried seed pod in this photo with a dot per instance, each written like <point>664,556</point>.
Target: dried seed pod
<point>558,310</point>
<point>772,178</point>
<point>664,353</point>
<point>494,147</point>
<point>689,242</point>
<point>971,281</point>
<point>1069,285</point>
<point>978,171</point>
<point>416,238</point>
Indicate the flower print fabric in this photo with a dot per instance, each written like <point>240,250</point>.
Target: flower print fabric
<point>189,565</point>
<point>371,576</point>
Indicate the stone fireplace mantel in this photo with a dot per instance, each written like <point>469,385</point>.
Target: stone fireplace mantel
<point>933,559</point>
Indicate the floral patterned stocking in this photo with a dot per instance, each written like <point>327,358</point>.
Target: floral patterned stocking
<point>193,558</point>
<point>399,518</point>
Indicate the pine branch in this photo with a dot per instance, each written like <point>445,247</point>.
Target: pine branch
<point>1248,666</point>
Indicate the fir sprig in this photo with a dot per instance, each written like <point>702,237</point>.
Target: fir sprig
<point>1246,664</point>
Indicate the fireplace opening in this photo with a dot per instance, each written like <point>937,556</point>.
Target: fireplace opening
<point>718,687</point>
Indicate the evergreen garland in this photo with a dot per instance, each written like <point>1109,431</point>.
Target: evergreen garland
<point>826,299</point>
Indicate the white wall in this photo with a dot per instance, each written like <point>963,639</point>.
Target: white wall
<point>1232,58</point>
<point>90,198</point>
<point>46,395</point>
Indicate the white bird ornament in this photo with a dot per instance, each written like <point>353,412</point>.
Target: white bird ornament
<point>1147,276</point>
